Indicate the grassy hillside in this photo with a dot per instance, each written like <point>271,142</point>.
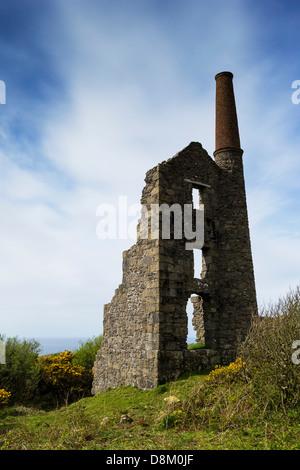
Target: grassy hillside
<point>128,418</point>
<point>252,403</point>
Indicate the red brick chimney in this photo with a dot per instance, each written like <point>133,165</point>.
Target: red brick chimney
<point>227,131</point>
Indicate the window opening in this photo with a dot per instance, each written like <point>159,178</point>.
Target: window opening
<point>196,198</point>
<point>195,331</point>
<point>198,263</point>
<point>191,333</point>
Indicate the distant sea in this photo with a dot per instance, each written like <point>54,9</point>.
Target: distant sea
<point>56,345</point>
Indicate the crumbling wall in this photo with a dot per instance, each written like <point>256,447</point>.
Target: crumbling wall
<point>128,355</point>
<point>145,324</point>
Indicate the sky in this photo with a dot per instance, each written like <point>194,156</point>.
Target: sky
<point>97,93</point>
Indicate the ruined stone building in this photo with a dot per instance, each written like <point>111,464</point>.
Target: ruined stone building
<point>145,324</point>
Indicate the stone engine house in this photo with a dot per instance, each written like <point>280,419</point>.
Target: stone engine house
<point>145,325</point>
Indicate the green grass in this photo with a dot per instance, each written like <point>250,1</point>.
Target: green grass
<point>250,404</point>
<point>126,418</point>
<point>196,346</point>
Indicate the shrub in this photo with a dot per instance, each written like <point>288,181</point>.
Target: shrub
<point>222,400</point>
<point>170,419</point>
<point>4,397</point>
<point>262,379</point>
<point>268,351</point>
<point>230,373</point>
<point>65,380</point>
<point>20,374</point>
<point>86,354</point>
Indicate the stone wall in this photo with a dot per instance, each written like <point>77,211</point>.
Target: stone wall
<point>198,320</point>
<point>145,325</point>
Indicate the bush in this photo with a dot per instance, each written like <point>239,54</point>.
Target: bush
<point>268,351</point>
<point>29,378</point>
<point>64,379</point>
<point>20,375</point>
<point>4,397</point>
<point>86,354</point>
<point>229,373</point>
<point>223,399</point>
<point>263,378</point>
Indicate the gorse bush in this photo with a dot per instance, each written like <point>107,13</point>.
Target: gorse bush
<point>68,376</point>
<point>231,372</point>
<point>4,397</point>
<point>66,380</point>
<point>30,378</point>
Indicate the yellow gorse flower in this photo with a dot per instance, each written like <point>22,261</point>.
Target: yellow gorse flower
<point>4,396</point>
<point>226,371</point>
<point>62,374</point>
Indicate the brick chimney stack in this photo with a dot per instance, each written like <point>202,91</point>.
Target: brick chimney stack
<point>227,131</point>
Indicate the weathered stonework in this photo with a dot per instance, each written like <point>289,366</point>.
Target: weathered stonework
<point>145,324</point>
<point>198,320</point>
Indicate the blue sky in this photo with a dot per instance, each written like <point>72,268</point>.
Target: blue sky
<point>97,93</point>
